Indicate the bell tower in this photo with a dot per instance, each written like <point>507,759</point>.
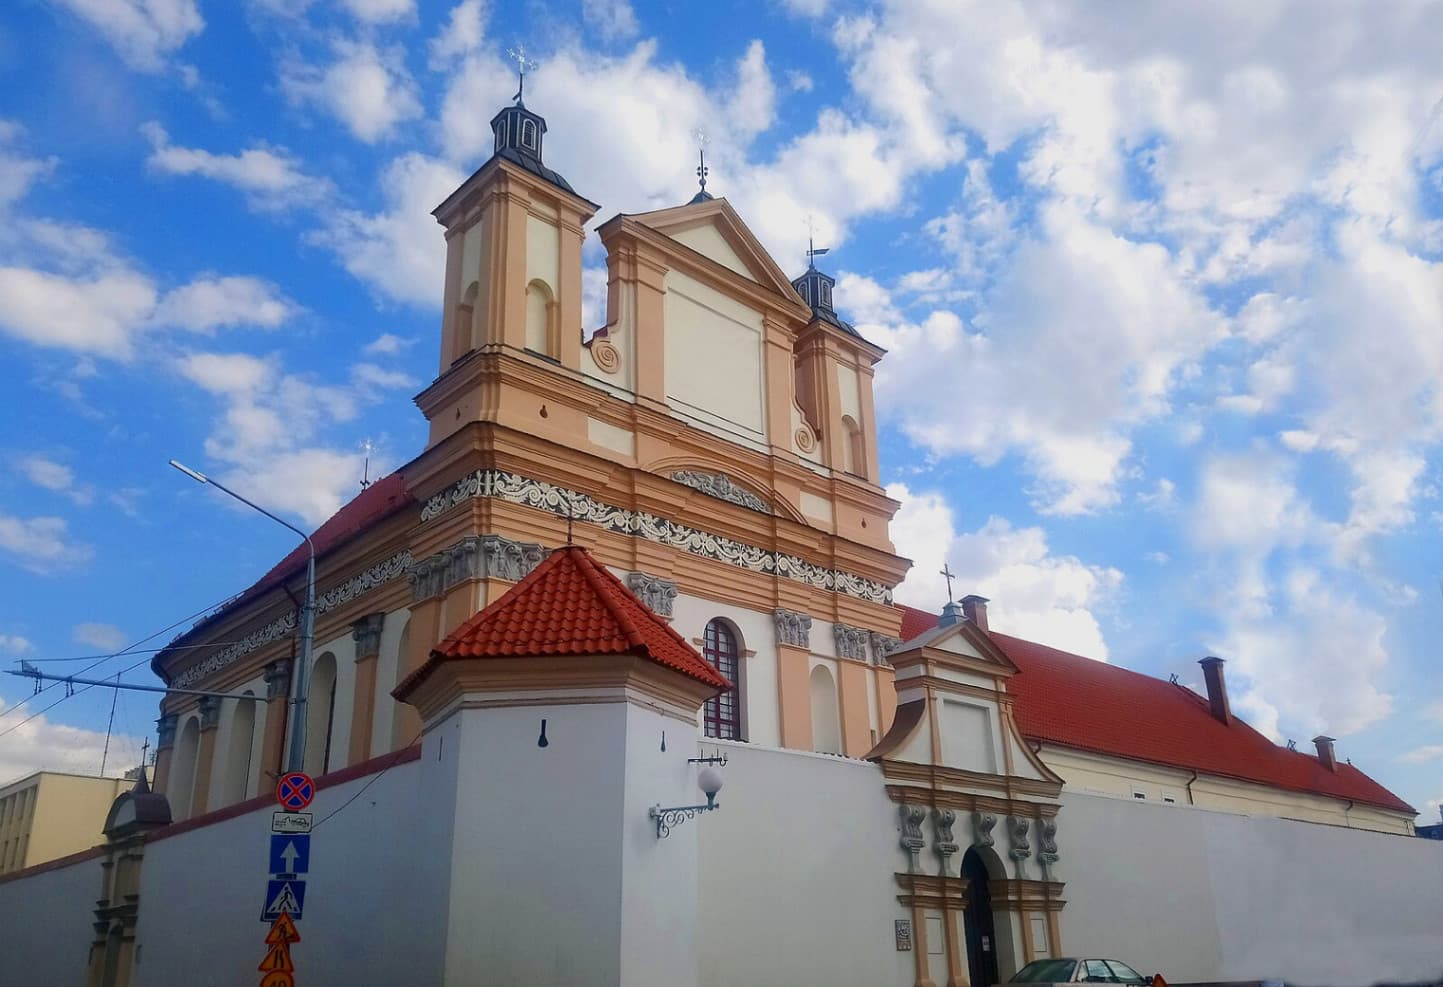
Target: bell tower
<point>513,269</point>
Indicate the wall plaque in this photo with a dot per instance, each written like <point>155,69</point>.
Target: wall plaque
<point>904,935</point>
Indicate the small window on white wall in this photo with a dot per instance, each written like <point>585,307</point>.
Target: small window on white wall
<point>1139,795</point>
<point>1170,799</point>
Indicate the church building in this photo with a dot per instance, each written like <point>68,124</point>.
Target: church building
<point>640,560</point>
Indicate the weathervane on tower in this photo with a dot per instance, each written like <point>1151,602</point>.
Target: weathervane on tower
<point>813,252</point>
<point>702,140</point>
<point>523,65</point>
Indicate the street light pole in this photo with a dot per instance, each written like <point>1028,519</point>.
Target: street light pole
<point>297,756</point>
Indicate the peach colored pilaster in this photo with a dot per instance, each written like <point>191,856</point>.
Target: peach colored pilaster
<point>869,424</point>
<point>852,697</point>
<point>919,947</point>
<point>569,290</point>
<point>794,696</point>
<point>451,346</point>
<point>956,972</point>
<point>205,755</point>
<point>164,746</point>
<point>780,382</point>
<point>650,343</point>
<point>366,632</point>
<point>424,635</point>
<point>510,304</point>
<point>278,691</point>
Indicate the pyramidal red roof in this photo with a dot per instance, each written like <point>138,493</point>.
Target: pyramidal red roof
<point>570,605</point>
<point>1072,701</point>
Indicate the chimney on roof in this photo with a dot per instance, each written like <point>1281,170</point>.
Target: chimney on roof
<point>974,607</point>
<point>1217,689</point>
<point>952,613</point>
<point>1325,752</point>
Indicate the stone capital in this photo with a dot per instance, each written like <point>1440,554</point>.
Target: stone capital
<point>209,712</point>
<point>851,642</point>
<point>657,593</point>
<point>165,731</point>
<point>366,632</point>
<point>793,628</point>
<point>278,679</point>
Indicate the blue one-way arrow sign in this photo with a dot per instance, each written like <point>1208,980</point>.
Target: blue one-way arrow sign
<point>290,853</point>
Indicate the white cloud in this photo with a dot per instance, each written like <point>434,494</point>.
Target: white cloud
<point>143,32</point>
<point>370,376</point>
<point>14,645</point>
<point>44,745</point>
<point>464,31</point>
<point>209,303</point>
<point>41,544</point>
<point>798,81</point>
<point>98,314</point>
<point>18,172</point>
<point>366,88</point>
<point>47,473</point>
<point>614,20</point>
<point>752,106</point>
<point>1034,594</point>
<point>106,637</point>
<point>387,344</point>
<point>380,11</point>
<point>399,251</point>
<point>236,374</point>
<point>270,177</point>
<point>1422,755</point>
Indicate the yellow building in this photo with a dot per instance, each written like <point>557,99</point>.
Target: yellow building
<point>51,814</point>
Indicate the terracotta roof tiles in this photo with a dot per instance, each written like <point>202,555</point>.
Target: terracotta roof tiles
<point>1077,702</point>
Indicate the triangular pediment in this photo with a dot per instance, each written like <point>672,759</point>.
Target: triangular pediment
<point>963,642</point>
<point>713,229</point>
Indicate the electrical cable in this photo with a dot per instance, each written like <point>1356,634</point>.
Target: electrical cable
<point>75,692</point>
<point>103,659</point>
<point>395,759</point>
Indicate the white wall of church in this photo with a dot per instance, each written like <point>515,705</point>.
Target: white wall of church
<point>714,373</point>
<point>797,868</point>
<point>1202,895</point>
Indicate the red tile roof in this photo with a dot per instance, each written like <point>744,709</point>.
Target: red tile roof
<point>378,501</point>
<point>570,605</point>
<point>1076,702</point>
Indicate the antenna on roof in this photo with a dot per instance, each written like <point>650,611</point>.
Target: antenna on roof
<point>1292,744</point>
<point>1173,678</point>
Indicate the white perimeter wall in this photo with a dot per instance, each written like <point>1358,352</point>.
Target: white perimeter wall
<point>1198,895</point>
<point>45,929</point>
<point>797,870</point>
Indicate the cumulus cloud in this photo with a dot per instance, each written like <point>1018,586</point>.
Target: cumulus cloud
<point>15,645</point>
<point>41,544</point>
<point>1422,755</point>
<point>387,344</point>
<point>143,32</point>
<point>380,11</point>
<point>44,745</point>
<point>462,34</point>
<point>1035,594</point>
<point>106,637</point>
<point>366,87</point>
<point>57,477</point>
<point>613,20</point>
<point>271,178</point>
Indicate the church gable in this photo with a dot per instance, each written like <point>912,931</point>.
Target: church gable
<point>713,229</point>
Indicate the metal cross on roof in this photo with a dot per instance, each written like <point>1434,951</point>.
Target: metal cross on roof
<point>702,170</point>
<point>523,64</point>
<point>813,252</point>
<point>947,574</point>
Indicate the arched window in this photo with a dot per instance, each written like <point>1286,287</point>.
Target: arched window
<point>540,316</point>
<point>320,715</point>
<point>501,128</point>
<point>180,787</point>
<point>722,716</point>
<point>528,134</point>
<point>826,720</point>
<point>236,784</point>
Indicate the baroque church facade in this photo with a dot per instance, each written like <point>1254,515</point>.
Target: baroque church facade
<point>666,542</point>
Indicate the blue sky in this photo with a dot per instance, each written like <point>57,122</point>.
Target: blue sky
<point>1161,290</point>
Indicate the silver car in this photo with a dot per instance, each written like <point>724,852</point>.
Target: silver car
<point>1077,971</point>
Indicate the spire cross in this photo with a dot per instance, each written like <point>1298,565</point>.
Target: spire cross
<point>813,252</point>
<point>947,574</point>
<point>702,170</point>
<point>518,55</point>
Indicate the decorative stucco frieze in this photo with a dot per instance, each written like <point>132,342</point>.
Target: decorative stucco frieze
<point>1017,828</point>
<point>720,486</point>
<point>982,825</point>
<point>793,628</point>
<point>944,845</point>
<point>366,632</point>
<point>165,731</point>
<point>851,641</point>
<point>209,712</point>
<point>544,496</point>
<point>882,647</point>
<point>285,625</point>
<point>1047,841</point>
<point>278,679</point>
<point>912,840</point>
<point>657,593</point>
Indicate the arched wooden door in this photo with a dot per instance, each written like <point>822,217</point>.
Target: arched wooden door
<point>981,939</point>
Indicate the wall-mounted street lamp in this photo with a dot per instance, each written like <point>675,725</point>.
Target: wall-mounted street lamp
<point>297,756</point>
<point>710,782</point>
